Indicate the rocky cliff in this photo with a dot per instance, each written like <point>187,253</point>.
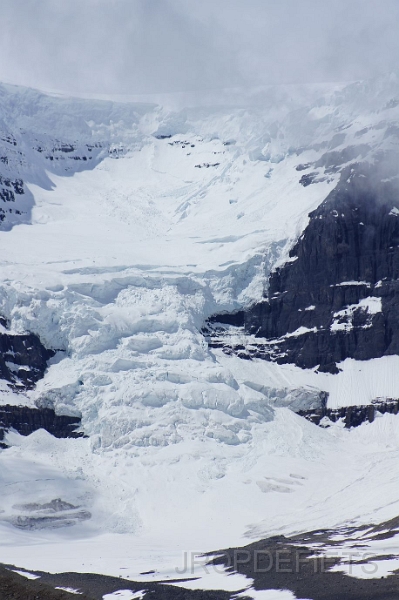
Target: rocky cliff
<point>338,295</point>
<point>23,358</point>
<point>26,420</point>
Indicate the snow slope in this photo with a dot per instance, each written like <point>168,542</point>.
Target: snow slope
<point>116,263</point>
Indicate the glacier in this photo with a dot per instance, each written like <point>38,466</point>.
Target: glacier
<point>124,227</point>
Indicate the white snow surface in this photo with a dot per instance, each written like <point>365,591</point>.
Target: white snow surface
<point>117,266</point>
<point>26,574</point>
<point>343,318</point>
<point>125,595</point>
<point>267,594</point>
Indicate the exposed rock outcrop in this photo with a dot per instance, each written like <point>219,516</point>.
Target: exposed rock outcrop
<point>352,416</point>
<point>338,296</point>
<point>25,420</point>
<point>23,361</point>
<point>23,357</point>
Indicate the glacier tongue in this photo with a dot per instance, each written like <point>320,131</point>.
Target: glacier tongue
<point>125,260</point>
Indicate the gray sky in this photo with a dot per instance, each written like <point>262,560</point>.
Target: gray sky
<point>145,46</point>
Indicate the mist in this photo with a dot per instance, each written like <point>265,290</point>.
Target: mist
<point>162,46</point>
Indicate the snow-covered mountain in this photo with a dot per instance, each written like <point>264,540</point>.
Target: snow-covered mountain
<point>185,281</point>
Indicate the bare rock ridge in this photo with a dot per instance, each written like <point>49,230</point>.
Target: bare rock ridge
<point>338,296</point>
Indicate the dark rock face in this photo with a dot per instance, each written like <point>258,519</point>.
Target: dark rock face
<point>8,190</point>
<point>26,420</point>
<point>338,298</point>
<point>353,416</point>
<point>23,358</point>
<point>23,361</point>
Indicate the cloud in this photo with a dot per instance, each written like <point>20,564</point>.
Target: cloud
<point>145,46</point>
